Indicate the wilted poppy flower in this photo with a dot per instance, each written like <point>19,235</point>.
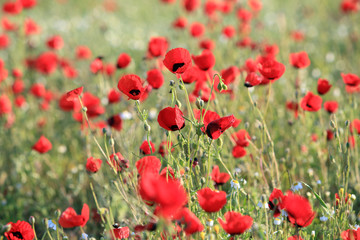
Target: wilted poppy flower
<point>168,194</point>
<point>275,201</point>
<point>148,164</point>
<point>271,69</point>
<point>121,232</point>
<point>13,7</point>
<point>177,60</point>
<point>20,230</point>
<point>311,102</point>
<point>157,46</point>
<point>323,86</point>
<point>205,61</point>
<point>171,119</point>
<point>131,86</point>
<point>350,79</point>
<point>252,79</point>
<point>96,66</point>
<point>74,94</point>
<point>238,151</point>
<point>83,52</point>
<point>215,128</point>
<point>355,126</point>
<point>351,234</point>
<point>93,165</point>
<point>331,106</point>
<point>115,122</point>
<point>180,22</point>
<point>191,223</point>
<point>299,60</point>
<point>70,219</point>
<point>46,63</point>
<point>118,162</point>
<point>5,105</point>
<point>145,149</point>
<point>43,145</point>
<point>197,29</point>
<point>155,78</point>
<point>235,223</point>
<point>298,209</point>
<point>211,201</point>
<point>55,42</point>
<point>218,177</point>
<point>123,60</point>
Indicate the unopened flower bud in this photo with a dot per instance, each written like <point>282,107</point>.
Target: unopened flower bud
<point>202,180</point>
<point>172,83</point>
<point>199,103</point>
<point>111,142</point>
<point>347,123</point>
<point>147,127</point>
<point>45,221</point>
<point>181,87</point>
<point>178,103</point>
<point>219,142</point>
<point>32,220</point>
<point>84,109</point>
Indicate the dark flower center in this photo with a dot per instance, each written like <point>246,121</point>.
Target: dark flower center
<point>308,105</point>
<point>271,205</point>
<point>176,66</point>
<point>18,235</point>
<point>174,128</point>
<point>135,92</point>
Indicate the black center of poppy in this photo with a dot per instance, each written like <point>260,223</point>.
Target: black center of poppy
<point>308,105</point>
<point>176,66</point>
<point>174,128</point>
<point>135,92</point>
<point>271,205</point>
<point>247,84</point>
<point>18,235</point>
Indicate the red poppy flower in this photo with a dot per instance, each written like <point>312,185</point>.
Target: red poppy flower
<point>70,219</point>
<point>20,230</point>
<point>331,106</point>
<point>191,222</point>
<point>123,61</point>
<point>193,74</point>
<point>323,86</point>
<point>5,105</point>
<point>114,96</point>
<point>207,118</point>
<point>242,138</point>
<point>329,135</point>
<point>238,151</point>
<point>43,145</point>
<point>215,128</point>
<point>155,78</point>
<point>158,46</point>
<point>207,44</point>
<point>211,201</point>
<point>171,119</point>
<point>349,6</point>
<point>351,234</point>
<point>96,66</point>
<point>180,22</point>
<point>271,69</point>
<point>28,3</point>
<point>7,25</point>
<point>293,106</point>
<point>148,164</point>
<point>218,177</point>
<point>298,209</point>
<point>235,223</point>
<point>355,126</point>
<point>118,162</point>
<point>70,72</point>
<point>311,102</point>
<point>229,74</point>
<point>197,29</point>
<point>255,5</point>
<point>93,165</point>
<point>177,60</point>
<point>299,60</point>
<point>298,36</point>
<point>145,149</point>
<point>191,5</point>
<point>46,63</point>
<point>163,148</point>
<point>19,102</point>
<point>350,79</point>
<point>92,103</point>
<point>131,85</point>
<point>115,122</point>
<point>55,42</point>
<point>275,201</point>
<point>74,94</point>
<point>168,194</point>
<point>18,86</point>
<point>83,52</point>
<point>295,238</point>
<point>4,41</point>
<point>338,199</point>
<point>121,232</point>
<point>205,61</point>
<point>3,74</point>
<point>229,31</point>
<point>13,7</point>
<point>252,79</point>
<point>31,27</point>
<point>271,50</point>
<point>38,90</point>
<point>244,15</point>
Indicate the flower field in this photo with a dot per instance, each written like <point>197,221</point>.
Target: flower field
<point>179,119</point>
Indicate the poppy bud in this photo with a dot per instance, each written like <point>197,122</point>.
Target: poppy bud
<point>332,124</point>
<point>219,142</point>
<point>6,228</point>
<point>147,127</point>
<point>84,109</point>
<point>57,213</point>
<point>247,125</point>
<point>45,221</point>
<point>202,180</point>
<point>178,103</point>
<point>199,103</point>
<point>32,220</point>
<point>181,87</point>
<point>111,142</point>
<point>347,123</point>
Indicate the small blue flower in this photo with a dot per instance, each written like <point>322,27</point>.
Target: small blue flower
<point>51,225</point>
<point>84,236</point>
<point>296,187</point>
